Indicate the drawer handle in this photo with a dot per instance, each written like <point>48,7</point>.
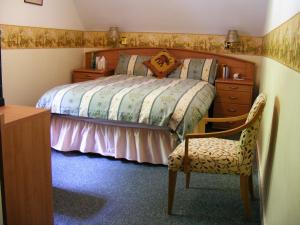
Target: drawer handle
<point>232,110</point>
<point>234,87</point>
<point>89,76</point>
<point>232,97</point>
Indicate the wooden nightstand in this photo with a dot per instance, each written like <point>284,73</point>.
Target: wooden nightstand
<point>80,75</point>
<point>234,98</point>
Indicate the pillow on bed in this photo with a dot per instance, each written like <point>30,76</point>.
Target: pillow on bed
<point>198,69</point>
<point>162,64</point>
<point>133,65</point>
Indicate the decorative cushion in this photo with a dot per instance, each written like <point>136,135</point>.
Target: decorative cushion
<point>162,64</point>
<point>133,65</point>
<point>207,155</point>
<point>198,69</point>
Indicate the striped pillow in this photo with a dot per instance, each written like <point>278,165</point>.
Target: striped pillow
<point>133,65</point>
<point>197,69</point>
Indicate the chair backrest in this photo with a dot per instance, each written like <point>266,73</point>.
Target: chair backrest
<point>249,135</point>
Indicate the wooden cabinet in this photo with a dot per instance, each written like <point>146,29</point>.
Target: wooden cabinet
<point>80,75</point>
<point>26,166</point>
<point>234,98</point>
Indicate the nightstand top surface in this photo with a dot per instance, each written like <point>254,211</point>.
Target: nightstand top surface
<point>13,113</point>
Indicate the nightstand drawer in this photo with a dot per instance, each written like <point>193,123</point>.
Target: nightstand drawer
<point>233,97</point>
<point>80,75</point>
<point>228,125</point>
<point>222,109</point>
<point>75,80</point>
<point>233,87</point>
<point>86,76</point>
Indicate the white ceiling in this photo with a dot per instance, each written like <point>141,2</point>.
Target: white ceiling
<point>179,16</point>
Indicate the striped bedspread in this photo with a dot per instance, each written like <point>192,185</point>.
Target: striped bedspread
<point>173,103</point>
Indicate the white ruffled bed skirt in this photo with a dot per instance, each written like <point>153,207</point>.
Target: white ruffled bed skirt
<point>138,144</point>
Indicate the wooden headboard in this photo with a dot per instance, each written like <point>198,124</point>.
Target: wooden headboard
<point>243,67</point>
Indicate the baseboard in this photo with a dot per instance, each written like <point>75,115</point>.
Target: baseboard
<point>260,188</point>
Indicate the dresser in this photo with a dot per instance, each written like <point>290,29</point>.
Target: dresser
<point>80,75</point>
<point>26,184</point>
<point>234,98</point>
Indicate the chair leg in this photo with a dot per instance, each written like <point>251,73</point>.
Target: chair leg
<point>251,188</point>
<point>187,180</point>
<point>244,186</point>
<point>171,190</point>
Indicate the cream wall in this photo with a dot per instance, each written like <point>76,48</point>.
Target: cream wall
<point>279,11</point>
<point>278,143</point>
<point>27,73</point>
<point>176,16</point>
<point>53,14</point>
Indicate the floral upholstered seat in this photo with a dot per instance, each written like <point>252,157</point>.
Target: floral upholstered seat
<point>206,154</point>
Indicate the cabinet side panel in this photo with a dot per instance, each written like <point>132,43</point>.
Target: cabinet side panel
<point>27,171</point>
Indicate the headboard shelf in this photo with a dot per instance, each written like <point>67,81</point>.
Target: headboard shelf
<point>243,67</point>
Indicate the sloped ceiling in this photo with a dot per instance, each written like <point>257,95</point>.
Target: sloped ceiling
<point>178,16</point>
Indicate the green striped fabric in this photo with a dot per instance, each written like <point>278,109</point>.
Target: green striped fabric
<point>173,103</point>
<point>197,69</point>
<point>133,65</point>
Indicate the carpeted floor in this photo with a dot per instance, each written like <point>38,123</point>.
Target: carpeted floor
<point>93,190</point>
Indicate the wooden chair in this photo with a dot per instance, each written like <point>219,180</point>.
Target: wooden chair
<point>208,153</point>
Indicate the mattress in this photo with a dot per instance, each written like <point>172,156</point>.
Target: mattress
<point>170,103</point>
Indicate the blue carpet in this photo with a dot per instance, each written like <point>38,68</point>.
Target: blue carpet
<point>94,190</point>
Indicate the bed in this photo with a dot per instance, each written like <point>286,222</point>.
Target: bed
<point>128,116</point>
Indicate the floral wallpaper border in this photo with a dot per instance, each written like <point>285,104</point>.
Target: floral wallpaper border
<point>23,37</point>
<point>210,43</point>
<point>283,43</point>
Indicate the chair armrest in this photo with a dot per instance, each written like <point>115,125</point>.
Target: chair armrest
<point>217,134</point>
<point>226,119</point>
<point>226,132</point>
